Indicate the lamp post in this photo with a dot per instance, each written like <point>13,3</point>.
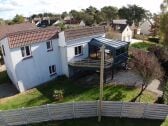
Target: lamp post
<point>101,82</point>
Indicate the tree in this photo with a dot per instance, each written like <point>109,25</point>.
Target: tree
<point>18,19</point>
<point>147,65</point>
<point>164,6</point>
<point>109,12</point>
<point>132,13</point>
<point>88,19</point>
<point>64,14</point>
<point>76,15</point>
<point>99,17</point>
<point>155,28</point>
<point>163,23</point>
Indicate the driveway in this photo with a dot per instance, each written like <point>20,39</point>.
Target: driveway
<point>7,90</point>
<point>127,78</point>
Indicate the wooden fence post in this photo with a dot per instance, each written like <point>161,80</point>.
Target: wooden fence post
<point>122,103</point>
<point>4,122</point>
<point>74,115</point>
<point>145,107</point>
<point>50,118</point>
<point>25,115</point>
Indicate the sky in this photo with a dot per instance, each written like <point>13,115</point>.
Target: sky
<point>9,8</point>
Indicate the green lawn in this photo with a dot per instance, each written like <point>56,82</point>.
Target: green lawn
<point>4,77</point>
<point>43,94</point>
<point>142,45</point>
<point>104,122</point>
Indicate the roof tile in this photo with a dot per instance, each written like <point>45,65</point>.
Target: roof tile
<point>23,38</point>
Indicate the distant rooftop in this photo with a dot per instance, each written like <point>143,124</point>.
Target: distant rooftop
<point>76,33</point>
<point>28,37</point>
<point>120,21</point>
<point>6,29</point>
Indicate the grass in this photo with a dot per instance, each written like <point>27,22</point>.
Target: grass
<point>104,122</point>
<point>142,45</point>
<point>4,77</point>
<point>72,92</point>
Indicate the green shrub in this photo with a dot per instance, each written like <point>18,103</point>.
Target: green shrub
<point>58,95</point>
<point>142,45</point>
<point>154,39</point>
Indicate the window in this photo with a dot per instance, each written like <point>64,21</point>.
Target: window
<point>52,69</point>
<point>26,51</point>
<point>3,50</point>
<point>49,46</point>
<point>78,50</point>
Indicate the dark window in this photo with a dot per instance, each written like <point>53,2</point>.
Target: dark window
<point>3,50</point>
<point>22,51</point>
<point>78,50</point>
<point>49,45</point>
<point>52,69</point>
<point>26,52</point>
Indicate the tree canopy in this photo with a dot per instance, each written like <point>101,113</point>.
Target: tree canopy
<point>18,19</point>
<point>164,23</point>
<point>109,12</point>
<point>132,13</point>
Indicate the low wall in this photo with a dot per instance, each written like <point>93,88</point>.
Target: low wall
<point>84,109</point>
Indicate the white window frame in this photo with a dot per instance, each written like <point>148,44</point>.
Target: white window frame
<point>24,53</point>
<point>78,53</point>
<point>51,46</point>
<point>52,70</point>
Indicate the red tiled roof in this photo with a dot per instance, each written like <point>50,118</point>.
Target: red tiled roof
<point>23,38</point>
<point>71,34</point>
<point>6,29</point>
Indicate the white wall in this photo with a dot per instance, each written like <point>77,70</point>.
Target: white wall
<point>68,50</point>
<point>35,70</point>
<point>8,61</point>
<point>145,28</point>
<point>127,34</point>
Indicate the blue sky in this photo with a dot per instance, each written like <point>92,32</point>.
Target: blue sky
<point>9,8</point>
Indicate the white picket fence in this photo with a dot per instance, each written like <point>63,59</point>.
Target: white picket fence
<point>84,109</point>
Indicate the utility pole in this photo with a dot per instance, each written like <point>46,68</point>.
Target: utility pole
<point>101,82</point>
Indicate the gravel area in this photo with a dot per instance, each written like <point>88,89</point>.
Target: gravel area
<point>127,78</point>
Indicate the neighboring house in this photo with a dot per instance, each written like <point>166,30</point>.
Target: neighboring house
<point>33,57</point>
<point>146,26</point>
<point>70,20</point>
<point>82,23</point>
<point>45,21</point>
<point>121,30</point>
<point>135,29</point>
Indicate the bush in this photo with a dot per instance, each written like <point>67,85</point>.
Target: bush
<point>147,65</point>
<point>142,45</point>
<point>58,95</point>
<point>154,39</point>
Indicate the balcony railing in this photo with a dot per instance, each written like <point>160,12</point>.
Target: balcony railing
<point>91,63</point>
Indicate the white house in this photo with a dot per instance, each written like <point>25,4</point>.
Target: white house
<point>145,27</point>
<point>121,31</point>
<point>35,56</point>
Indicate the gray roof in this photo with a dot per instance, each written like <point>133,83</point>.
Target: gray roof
<point>120,21</point>
<point>109,42</point>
